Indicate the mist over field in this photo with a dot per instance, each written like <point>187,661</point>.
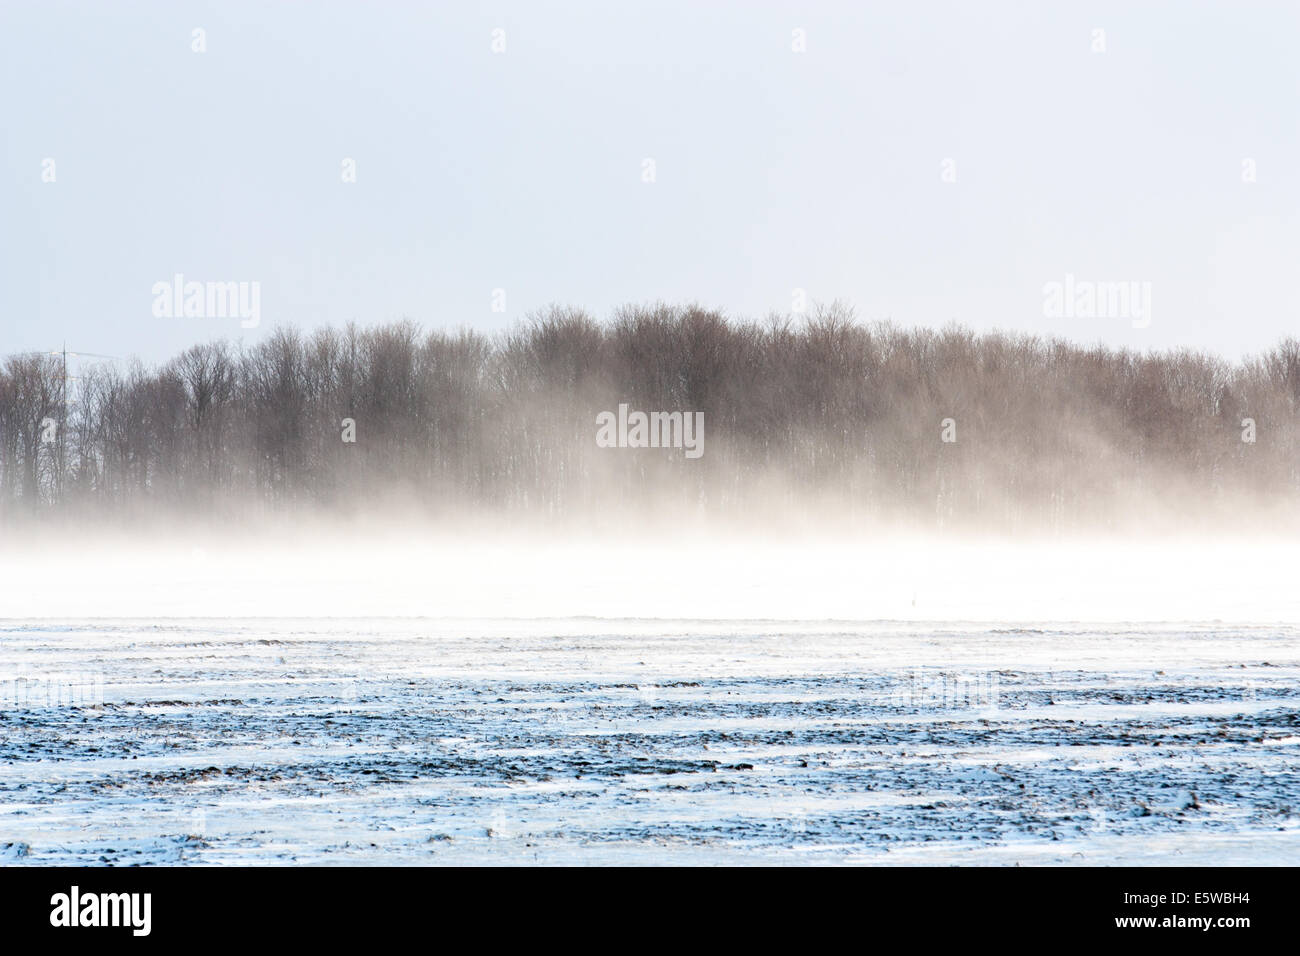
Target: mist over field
<point>842,471</point>
<point>427,571</point>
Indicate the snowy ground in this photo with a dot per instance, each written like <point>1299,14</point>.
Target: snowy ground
<point>642,741</point>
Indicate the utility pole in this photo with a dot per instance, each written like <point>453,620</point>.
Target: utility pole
<point>64,353</point>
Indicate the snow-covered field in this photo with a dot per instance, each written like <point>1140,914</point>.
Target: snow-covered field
<point>647,741</point>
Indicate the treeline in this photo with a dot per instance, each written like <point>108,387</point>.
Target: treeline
<point>821,416</point>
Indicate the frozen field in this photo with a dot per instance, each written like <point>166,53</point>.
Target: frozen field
<point>417,741</point>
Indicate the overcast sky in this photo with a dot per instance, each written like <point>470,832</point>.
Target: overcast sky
<point>774,170</point>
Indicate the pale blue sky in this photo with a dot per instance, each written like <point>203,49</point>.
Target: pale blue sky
<point>522,170</point>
